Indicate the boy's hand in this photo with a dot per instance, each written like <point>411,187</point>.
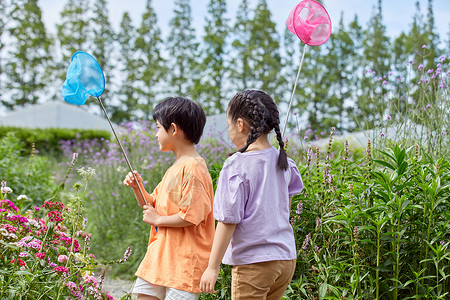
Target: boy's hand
<point>130,181</point>
<point>208,280</point>
<point>150,215</point>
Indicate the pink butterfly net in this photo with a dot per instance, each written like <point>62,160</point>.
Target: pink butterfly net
<point>310,22</point>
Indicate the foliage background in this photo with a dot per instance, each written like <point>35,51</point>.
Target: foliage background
<point>232,53</point>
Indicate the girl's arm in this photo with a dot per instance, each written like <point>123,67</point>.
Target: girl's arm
<point>222,238</point>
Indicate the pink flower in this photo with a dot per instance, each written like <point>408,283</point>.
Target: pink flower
<point>60,269</point>
<point>40,255</point>
<point>62,258</point>
<point>90,279</point>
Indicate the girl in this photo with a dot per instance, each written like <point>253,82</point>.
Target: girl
<point>252,204</point>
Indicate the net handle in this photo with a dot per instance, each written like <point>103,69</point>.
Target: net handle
<point>123,151</point>
<point>293,91</point>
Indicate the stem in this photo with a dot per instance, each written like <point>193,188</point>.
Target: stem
<point>378,262</point>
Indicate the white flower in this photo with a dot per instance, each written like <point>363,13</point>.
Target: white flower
<point>22,197</point>
<point>6,190</point>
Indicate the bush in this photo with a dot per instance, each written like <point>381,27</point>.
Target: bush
<point>27,174</point>
<point>47,140</point>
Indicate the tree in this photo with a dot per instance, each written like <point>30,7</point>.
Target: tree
<point>150,65</point>
<point>182,49</point>
<point>355,33</point>
<point>28,56</point>
<point>265,58</point>
<point>377,58</point>
<point>240,71</point>
<point>313,90</point>
<point>73,30</point>
<point>103,42</point>
<point>340,66</point>
<point>214,67</point>
<point>3,21</point>
<point>72,35</point>
<point>128,100</point>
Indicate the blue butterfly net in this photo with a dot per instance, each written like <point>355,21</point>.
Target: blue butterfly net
<point>84,77</point>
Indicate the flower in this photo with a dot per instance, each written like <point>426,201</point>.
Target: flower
<point>62,258</point>
<point>90,279</point>
<point>388,117</point>
<point>382,134</point>
<point>60,269</point>
<point>424,46</point>
<point>6,190</point>
<point>126,255</point>
<point>40,255</point>
<point>420,68</point>
<point>306,242</point>
<point>21,262</point>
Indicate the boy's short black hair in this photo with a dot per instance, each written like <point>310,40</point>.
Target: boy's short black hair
<point>185,113</point>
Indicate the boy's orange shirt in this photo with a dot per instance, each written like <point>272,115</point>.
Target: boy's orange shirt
<point>177,257</point>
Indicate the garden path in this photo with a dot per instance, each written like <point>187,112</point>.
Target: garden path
<point>117,287</point>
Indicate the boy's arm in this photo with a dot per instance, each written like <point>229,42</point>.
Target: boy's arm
<point>152,218</point>
<point>138,196</point>
<point>222,238</point>
<point>131,182</point>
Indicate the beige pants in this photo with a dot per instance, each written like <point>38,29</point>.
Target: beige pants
<point>262,281</point>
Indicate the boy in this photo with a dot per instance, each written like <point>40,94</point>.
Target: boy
<point>180,208</point>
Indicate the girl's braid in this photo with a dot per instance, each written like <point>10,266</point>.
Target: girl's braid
<point>256,118</point>
<point>259,109</point>
<point>274,122</point>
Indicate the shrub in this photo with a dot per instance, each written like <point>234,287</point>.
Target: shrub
<point>47,140</point>
<point>26,174</point>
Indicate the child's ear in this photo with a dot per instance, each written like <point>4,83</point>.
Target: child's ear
<point>174,129</point>
<point>241,124</point>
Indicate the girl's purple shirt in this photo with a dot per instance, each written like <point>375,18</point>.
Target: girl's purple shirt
<point>253,192</point>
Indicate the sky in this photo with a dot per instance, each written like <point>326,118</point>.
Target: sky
<point>397,14</point>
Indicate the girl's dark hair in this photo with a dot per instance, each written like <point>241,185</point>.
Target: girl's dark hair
<point>187,114</point>
<point>260,111</point>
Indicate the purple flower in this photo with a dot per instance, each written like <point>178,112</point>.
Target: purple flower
<point>318,223</point>
<point>424,46</point>
<point>306,242</point>
<point>388,117</point>
<point>420,67</point>
<point>382,134</point>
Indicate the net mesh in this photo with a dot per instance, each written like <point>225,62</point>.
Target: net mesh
<point>84,77</point>
<point>310,22</point>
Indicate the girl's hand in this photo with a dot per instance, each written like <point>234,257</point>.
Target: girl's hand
<point>130,181</point>
<point>208,280</point>
<point>150,215</point>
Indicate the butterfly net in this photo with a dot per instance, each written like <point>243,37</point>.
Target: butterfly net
<point>84,77</point>
<point>310,22</point>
